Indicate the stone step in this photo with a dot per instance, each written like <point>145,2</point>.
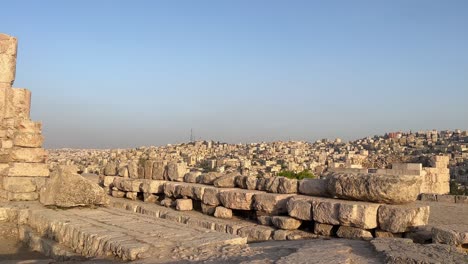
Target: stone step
<point>120,233</point>
<point>47,246</point>
<point>235,226</point>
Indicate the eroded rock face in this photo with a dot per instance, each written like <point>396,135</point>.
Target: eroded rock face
<point>68,189</point>
<point>389,189</point>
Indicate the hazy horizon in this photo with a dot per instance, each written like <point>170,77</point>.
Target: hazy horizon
<point>116,74</point>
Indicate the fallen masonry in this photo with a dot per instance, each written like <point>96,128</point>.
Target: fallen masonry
<point>157,210</point>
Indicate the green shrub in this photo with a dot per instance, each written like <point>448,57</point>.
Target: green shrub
<point>305,174</point>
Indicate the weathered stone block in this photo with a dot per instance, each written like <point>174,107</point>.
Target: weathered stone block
<point>300,208</point>
<point>192,177</point>
<point>184,205</point>
<point>8,48</point>
<point>28,170</point>
<point>271,203</point>
<point>286,222</point>
<point>28,140</point>
<point>238,199</point>
<point>287,185</point>
<point>32,155</point>
<point>314,187</point>
<point>226,181</point>
<point>29,196</point>
<point>446,198</point>
<point>18,103</point>
<point>209,178</point>
<point>401,218</point>
<point>222,212</point>
<point>390,189</point>
<point>208,209</point>
<point>323,229</point>
<point>19,184</point>
<point>353,233</point>
<point>159,170</point>
<point>152,186</point>
<point>176,171</point>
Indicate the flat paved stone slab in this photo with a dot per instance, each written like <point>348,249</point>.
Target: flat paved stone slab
<point>124,234</point>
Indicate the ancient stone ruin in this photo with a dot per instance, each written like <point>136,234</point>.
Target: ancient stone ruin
<point>23,168</point>
<point>160,211</point>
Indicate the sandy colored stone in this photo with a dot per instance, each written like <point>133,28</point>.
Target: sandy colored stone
<point>19,184</point>
<point>184,205</point>
<point>222,212</point>
<point>28,170</point>
<point>401,218</point>
<point>323,229</point>
<point>152,186</point>
<point>159,170</point>
<point>271,203</point>
<point>314,187</point>
<point>300,208</point>
<point>18,103</point>
<point>237,199</point>
<point>226,181</point>
<point>67,189</point>
<point>31,155</point>
<point>131,195</point>
<point>287,185</point>
<point>28,140</point>
<point>285,222</point>
<point>389,189</point>
<point>353,233</point>
<point>209,178</point>
<point>8,49</point>
<point>176,171</point>
<point>192,177</point>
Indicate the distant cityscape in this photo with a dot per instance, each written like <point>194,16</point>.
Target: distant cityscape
<point>269,158</point>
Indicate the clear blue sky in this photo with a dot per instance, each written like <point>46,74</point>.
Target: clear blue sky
<point>132,73</point>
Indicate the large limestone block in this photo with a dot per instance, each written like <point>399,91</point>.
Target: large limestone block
<point>28,126</point>
<point>286,185</point>
<point>32,155</point>
<point>314,187</point>
<point>19,184</point>
<point>326,211</point>
<point>184,205</point>
<point>271,184</point>
<point>149,169</point>
<point>133,170</point>
<point>401,218</point>
<point>8,48</point>
<point>271,203</point>
<point>226,181</point>
<point>28,140</point>
<point>176,171</point>
<point>222,212</point>
<point>18,103</point>
<point>127,185</point>
<point>111,169</point>
<point>20,196</point>
<point>28,170</point>
<point>159,170</point>
<point>151,186</point>
<point>388,189</point>
<point>286,222</point>
<point>323,229</point>
<point>192,177</point>
<point>68,189</point>
<point>210,177</point>
<point>238,199</point>
<point>358,214</point>
<point>300,208</point>
<point>353,233</point>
